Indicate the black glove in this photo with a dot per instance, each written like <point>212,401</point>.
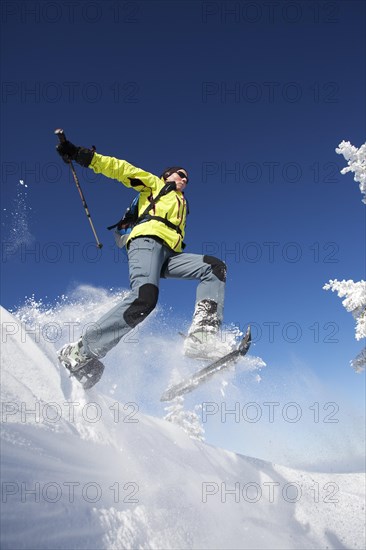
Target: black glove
<point>68,152</point>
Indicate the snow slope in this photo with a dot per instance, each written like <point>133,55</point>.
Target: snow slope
<point>81,470</point>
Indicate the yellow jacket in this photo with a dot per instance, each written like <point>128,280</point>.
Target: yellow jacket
<point>172,206</point>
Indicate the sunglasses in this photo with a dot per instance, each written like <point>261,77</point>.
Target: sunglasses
<point>182,175</point>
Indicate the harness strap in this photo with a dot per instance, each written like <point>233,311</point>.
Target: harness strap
<point>160,219</point>
<point>168,187</point>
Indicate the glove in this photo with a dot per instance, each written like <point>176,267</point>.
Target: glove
<point>68,152</point>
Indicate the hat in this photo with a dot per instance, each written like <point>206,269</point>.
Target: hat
<point>169,171</point>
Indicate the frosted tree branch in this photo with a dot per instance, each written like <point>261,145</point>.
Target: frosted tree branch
<point>356,163</point>
<point>354,295</point>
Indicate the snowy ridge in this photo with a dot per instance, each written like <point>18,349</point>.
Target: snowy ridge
<point>82,470</point>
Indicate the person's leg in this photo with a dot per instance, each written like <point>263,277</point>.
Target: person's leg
<point>210,295</point>
<point>145,257</point>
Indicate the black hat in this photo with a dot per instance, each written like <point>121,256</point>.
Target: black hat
<point>169,171</point>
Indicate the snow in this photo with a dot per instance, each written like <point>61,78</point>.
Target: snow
<point>83,470</point>
<point>16,221</point>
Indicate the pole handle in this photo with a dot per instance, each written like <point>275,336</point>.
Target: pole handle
<point>60,134</point>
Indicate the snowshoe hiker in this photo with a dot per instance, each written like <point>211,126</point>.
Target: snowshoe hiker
<point>155,250</point>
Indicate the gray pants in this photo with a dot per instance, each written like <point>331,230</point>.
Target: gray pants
<point>149,260</point>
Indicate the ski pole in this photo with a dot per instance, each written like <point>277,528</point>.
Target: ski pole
<point>61,136</point>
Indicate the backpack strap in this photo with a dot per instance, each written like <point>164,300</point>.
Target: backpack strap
<point>128,216</point>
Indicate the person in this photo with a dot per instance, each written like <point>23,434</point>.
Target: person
<point>155,250</point>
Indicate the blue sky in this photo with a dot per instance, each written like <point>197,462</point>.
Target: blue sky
<point>252,98</point>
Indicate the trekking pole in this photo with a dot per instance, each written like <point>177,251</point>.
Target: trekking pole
<point>61,136</point>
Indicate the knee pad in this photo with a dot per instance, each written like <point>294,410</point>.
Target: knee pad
<point>218,267</point>
<point>142,306</point>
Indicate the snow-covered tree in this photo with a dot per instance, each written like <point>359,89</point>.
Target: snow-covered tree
<point>354,294</point>
<point>356,163</point>
<point>359,362</point>
<point>189,421</point>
